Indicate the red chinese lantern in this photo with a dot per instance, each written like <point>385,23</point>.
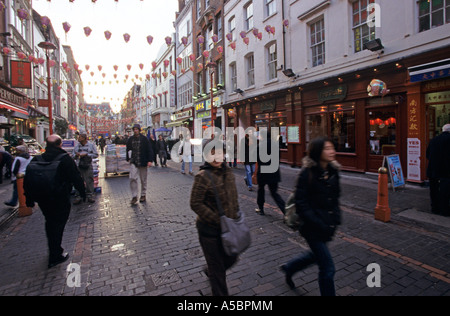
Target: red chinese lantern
<point>87,31</point>
<point>108,35</point>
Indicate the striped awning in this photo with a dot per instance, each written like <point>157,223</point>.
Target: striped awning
<point>435,70</point>
<point>13,108</point>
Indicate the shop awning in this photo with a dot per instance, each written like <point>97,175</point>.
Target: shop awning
<point>13,108</point>
<point>176,124</point>
<point>435,70</point>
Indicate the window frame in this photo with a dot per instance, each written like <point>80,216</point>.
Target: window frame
<point>272,64</point>
<point>248,19</point>
<point>314,47</point>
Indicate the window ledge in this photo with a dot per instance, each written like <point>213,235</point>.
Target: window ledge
<point>272,81</point>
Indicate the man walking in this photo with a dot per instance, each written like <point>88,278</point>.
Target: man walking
<point>84,152</point>
<point>438,172</point>
<point>55,205</point>
<point>140,155</point>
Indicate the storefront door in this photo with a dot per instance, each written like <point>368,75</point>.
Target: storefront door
<point>382,136</point>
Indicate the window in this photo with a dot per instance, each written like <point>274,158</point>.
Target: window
<point>206,3</point>
<point>199,9</point>
<point>336,121</point>
<point>232,27</point>
<point>185,94</point>
<point>250,62</point>
<point>233,76</point>
<point>272,61</point>
<point>248,14</point>
<point>318,42</point>
<point>433,13</point>
<point>219,27</point>
<point>220,72</point>
<point>361,31</point>
<point>271,7</point>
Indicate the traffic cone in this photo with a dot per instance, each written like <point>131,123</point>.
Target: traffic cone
<point>382,210</point>
<point>23,209</point>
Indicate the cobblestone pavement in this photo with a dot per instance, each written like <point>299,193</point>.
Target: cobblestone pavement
<point>153,249</point>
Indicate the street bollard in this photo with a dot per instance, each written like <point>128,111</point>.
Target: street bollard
<point>23,209</point>
<point>382,210</point>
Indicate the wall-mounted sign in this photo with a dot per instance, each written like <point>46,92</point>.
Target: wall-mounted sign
<point>21,74</point>
<point>293,134</point>
<point>337,93</point>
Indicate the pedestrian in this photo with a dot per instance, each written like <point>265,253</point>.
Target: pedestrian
<point>317,204</point>
<point>18,168</point>
<point>161,147</point>
<point>6,161</point>
<point>84,153</point>
<point>55,206</point>
<point>203,203</point>
<point>153,145</point>
<point>250,152</point>
<point>102,143</point>
<point>140,156</point>
<point>438,172</point>
<point>186,153</point>
<point>271,179</point>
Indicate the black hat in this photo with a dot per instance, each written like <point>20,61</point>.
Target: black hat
<point>137,126</point>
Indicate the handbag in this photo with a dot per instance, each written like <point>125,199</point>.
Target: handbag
<point>291,218</point>
<point>235,233</point>
<point>255,175</point>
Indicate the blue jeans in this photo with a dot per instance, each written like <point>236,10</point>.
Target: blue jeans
<point>15,197</point>
<point>319,254</point>
<point>190,164</point>
<point>250,170</point>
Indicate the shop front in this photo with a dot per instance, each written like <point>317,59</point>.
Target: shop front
<point>13,106</point>
<point>182,119</point>
<point>203,118</point>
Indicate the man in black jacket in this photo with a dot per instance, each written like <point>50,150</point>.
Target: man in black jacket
<point>140,155</point>
<point>56,209</point>
<point>438,172</point>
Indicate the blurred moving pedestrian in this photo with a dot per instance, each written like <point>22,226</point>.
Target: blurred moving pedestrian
<point>84,153</point>
<point>6,161</point>
<point>186,152</point>
<point>140,156</point>
<point>203,203</point>
<point>18,168</point>
<point>317,203</point>
<point>270,179</point>
<point>161,147</point>
<point>251,155</point>
<point>56,208</point>
<point>153,145</point>
<point>102,143</point>
<point>438,172</point>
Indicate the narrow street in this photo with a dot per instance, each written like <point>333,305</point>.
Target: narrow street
<point>152,249</point>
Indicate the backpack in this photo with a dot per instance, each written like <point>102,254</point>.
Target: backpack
<point>291,218</point>
<point>43,178</point>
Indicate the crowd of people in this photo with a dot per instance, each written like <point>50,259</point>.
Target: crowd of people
<point>214,191</point>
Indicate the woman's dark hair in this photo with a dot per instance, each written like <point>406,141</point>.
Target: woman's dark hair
<point>315,148</point>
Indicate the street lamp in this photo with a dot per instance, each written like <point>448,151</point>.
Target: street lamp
<point>49,48</point>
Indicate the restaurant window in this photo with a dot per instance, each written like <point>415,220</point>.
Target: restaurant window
<point>272,120</point>
<point>336,122</point>
<point>383,138</point>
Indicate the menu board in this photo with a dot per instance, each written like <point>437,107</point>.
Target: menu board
<point>293,134</point>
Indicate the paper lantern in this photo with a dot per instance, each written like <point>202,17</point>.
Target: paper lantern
<point>192,57</point>
<point>22,14</point>
<point>87,67</point>
<point>168,40</point>
<point>100,67</point>
<point>229,37</point>
<point>166,63</point>
<point>215,38</point>
<point>45,22</point>
<point>233,46</point>
<point>206,53</point>
<point>154,64</point>
<point>174,73</point>
<point>66,27</point>
<point>179,60</point>
<point>141,66</point>
<point>246,40</point>
<point>243,34</point>
<point>268,28</point>
<point>87,31</point>
<point>126,37</point>
<point>116,67</point>
<point>129,67</point>
<point>220,49</point>
<point>150,39</point>
<point>201,39</point>
<point>259,36</point>
<point>108,35</point>
<point>21,55</point>
<point>200,67</point>
<point>286,23</point>
<point>6,50</point>
<point>255,32</point>
<point>184,40</point>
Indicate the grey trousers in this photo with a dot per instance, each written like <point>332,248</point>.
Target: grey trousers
<point>88,177</point>
<point>138,174</point>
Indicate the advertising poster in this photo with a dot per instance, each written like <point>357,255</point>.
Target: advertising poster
<point>395,170</point>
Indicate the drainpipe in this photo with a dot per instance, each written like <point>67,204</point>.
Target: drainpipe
<point>284,35</point>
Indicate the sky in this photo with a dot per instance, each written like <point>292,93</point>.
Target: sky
<point>138,18</point>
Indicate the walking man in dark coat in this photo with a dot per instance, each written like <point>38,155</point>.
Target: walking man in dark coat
<point>438,172</point>
<point>56,209</point>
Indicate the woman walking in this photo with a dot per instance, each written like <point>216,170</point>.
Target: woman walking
<point>317,204</point>
<point>214,174</point>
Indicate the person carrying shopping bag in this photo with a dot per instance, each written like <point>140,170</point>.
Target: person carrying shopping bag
<point>215,180</point>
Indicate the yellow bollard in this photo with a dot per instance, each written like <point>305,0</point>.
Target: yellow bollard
<point>24,210</point>
<point>382,210</point>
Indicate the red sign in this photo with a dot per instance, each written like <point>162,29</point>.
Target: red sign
<point>43,103</point>
<point>21,74</point>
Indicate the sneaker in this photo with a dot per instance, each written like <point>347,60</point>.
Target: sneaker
<point>183,173</point>
<point>10,204</point>
<point>260,212</point>
<point>64,257</point>
<point>142,199</point>
<point>134,201</point>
